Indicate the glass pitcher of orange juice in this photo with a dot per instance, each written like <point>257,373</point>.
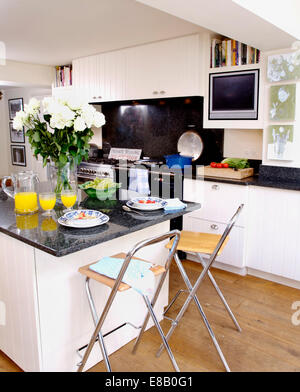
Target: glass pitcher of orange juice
<point>24,192</point>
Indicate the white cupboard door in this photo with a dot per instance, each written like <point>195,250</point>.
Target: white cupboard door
<point>82,80</point>
<point>233,253</point>
<point>179,68</point>
<point>113,76</point>
<point>142,72</point>
<point>273,241</point>
<point>218,201</point>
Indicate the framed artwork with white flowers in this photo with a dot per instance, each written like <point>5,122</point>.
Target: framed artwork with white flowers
<point>281,143</point>
<point>283,67</point>
<point>282,102</point>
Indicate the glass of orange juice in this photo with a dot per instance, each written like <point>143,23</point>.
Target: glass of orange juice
<point>47,202</point>
<point>68,198</point>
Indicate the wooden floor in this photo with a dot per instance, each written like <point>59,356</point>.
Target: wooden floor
<point>268,342</point>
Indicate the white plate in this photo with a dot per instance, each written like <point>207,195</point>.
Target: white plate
<point>81,224</point>
<point>134,203</point>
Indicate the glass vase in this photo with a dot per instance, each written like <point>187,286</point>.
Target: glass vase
<point>63,177</point>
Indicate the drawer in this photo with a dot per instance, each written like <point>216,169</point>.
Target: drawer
<point>218,201</point>
<point>233,253</point>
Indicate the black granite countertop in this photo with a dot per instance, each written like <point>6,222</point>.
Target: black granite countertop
<point>47,235</point>
<point>255,181</point>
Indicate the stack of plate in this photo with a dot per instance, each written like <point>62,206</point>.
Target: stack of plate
<point>146,203</point>
<point>83,219</point>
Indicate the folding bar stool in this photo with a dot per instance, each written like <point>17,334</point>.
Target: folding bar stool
<point>202,243</point>
<point>117,285</point>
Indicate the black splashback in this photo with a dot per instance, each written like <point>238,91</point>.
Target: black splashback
<point>155,125</point>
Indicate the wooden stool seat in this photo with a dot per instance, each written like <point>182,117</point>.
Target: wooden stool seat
<point>198,242</point>
<point>157,270</point>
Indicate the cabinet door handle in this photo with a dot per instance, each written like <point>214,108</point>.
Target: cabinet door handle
<point>94,97</point>
<point>215,187</point>
<point>99,97</point>
<point>155,92</point>
<point>162,92</point>
<point>214,227</point>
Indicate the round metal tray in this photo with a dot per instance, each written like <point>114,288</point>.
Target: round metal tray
<point>190,144</point>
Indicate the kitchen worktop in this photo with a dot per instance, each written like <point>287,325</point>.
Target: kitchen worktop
<point>255,181</point>
<point>50,237</point>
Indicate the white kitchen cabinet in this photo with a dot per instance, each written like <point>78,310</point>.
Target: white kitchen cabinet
<point>218,203</point>
<point>233,253</point>
<point>273,240</point>
<point>168,68</point>
<point>164,69</point>
<point>101,77</point>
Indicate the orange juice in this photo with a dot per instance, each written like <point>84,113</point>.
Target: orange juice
<point>68,199</point>
<point>47,201</point>
<point>48,224</point>
<point>27,222</point>
<point>26,202</point>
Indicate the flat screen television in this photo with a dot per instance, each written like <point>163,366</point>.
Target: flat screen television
<point>234,95</point>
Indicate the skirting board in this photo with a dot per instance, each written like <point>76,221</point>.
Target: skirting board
<point>225,267</point>
<point>274,278</point>
<point>250,271</point>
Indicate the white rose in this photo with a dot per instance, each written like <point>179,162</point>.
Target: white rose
<point>67,113</point>
<point>283,95</point>
<point>21,119</point>
<point>46,103</point>
<point>33,107</point>
<point>79,124</point>
<point>18,123</point>
<point>99,119</point>
<point>74,103</point>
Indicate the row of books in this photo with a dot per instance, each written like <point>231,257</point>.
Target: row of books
<point>63,76</point>
<point>230,52</point>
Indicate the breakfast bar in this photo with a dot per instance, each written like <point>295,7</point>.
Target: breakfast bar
<point>45,323</point>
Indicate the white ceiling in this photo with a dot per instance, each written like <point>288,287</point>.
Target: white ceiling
<point>56,31</point>
<point>264,24</point>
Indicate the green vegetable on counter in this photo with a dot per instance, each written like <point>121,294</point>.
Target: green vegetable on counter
<point>237,163</point>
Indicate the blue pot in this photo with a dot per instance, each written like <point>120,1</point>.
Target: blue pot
<point>178,160</point>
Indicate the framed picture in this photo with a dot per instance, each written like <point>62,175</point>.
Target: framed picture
<point>284,67</point>
<point>16,136</point>
<point>14,105</point>
<point>18,155</point>
<point>281,143</point>
<point>282,102</point>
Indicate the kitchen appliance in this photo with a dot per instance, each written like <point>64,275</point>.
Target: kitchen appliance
<point>234,95</point>
<point>25,191</point>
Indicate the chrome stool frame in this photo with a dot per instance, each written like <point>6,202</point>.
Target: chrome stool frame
<point>192,290</point>
<point>97,335</point>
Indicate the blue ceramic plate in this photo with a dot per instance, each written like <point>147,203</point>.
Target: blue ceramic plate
<point>83,218</point>
<point>146,203</point>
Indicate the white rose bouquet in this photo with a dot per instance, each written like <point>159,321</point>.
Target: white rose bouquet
<point>59,130</point>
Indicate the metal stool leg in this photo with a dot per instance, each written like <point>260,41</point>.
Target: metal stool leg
<point>174,300</point>
<point>165,342</point>
<point>95,318</point>
<point>193,290</point>
<point>219,292</point>
<point>154,299</point>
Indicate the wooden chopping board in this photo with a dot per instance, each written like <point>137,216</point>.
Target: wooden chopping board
<point>228,172</point>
